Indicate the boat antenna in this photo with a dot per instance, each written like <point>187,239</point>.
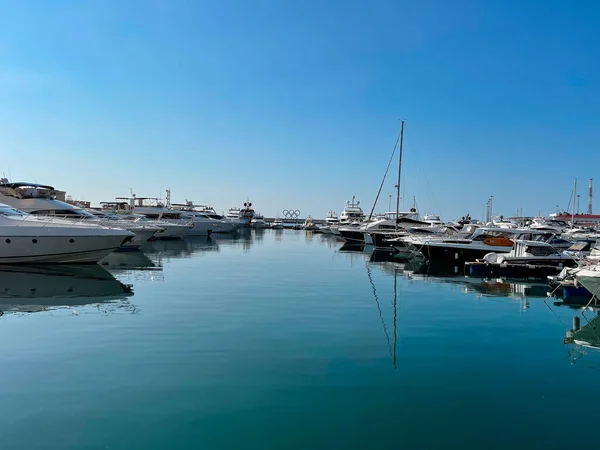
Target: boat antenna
<point>399,173</point>
<point>383,180</point>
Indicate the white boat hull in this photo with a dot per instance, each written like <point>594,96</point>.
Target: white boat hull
<point>171,231</point>
<point>71,248</point>
<point>141,235</point>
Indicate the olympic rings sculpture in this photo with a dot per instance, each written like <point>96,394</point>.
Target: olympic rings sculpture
<point>291,213</point>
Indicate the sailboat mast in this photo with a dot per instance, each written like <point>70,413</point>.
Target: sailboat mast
<point>573,209</point>
<point>399,174</point>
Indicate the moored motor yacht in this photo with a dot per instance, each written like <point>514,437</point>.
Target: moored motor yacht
<point>43,201</point>
<point>389,222</point>
<point>352,212</point>
<point>258,221</point>
<point>205,220</point>
<point>331,220</point>
<point>530,252</point>
<point>25,238</point>
<point>527,259</point>
<point>461,249</point>
<point>277,224</point>
<point>233,214</point>
<point>246,214</point>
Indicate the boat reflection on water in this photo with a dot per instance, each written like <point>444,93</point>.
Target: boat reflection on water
<point>356,252</point>
<point>157,251</point>
<point>39,288</point>
<point>135,265</point>
<point>131,260</point>
<point>586,338</point>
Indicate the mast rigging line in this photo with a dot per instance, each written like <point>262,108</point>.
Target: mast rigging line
<point>384,176</point>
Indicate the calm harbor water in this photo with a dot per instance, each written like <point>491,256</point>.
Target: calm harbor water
<point>277,339</point>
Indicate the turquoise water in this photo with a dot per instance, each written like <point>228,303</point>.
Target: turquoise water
<point>277,339</point>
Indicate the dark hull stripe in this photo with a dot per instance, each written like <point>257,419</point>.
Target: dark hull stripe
<point>59,254</point>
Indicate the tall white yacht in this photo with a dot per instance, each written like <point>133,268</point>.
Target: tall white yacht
<point>43,200</point>
<point>352,212</point>
<point>247,214</point>
<point>25,238</point>
<point>205,220</point>
<point>233,214</point>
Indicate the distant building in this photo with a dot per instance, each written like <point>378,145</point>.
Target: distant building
<point>60,195</point>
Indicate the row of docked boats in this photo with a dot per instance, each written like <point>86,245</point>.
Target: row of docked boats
<point>542,248</point>
<point>38,225</point>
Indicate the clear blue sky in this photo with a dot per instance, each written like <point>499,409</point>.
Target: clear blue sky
<point>296,104</point>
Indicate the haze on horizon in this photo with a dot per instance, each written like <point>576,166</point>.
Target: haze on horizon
<point>297,105</point>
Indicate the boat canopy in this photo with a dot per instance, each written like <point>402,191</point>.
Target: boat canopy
<point>23,184</point>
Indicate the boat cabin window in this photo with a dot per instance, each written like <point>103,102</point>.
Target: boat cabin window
<point>536,250</point>
<point>63,212</point>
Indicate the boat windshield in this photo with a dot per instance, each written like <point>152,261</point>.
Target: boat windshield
<point>8,211</point>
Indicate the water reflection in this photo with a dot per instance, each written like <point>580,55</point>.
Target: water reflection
<point>162,251</point>
<point>129,260</point>
<point>392,342</point>
<point>38,288</point>
<point>134,264</point>
<point>584,336</point>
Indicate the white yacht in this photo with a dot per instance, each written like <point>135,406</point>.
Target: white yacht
<point>352,212</point>
<point>258,221</point>
<point>388,222</point>
<point>501,222</point>
<point>167,229</point>
<point>233,214</point>
<point>41,200</point>
<point>246,214</point>
<point>193,223</point>
<point>205,220</point>
<point>25,238</point>
<point>331,220</point>
<point>277,224</point>
<point>433,219</point>
<point>541,223</point>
